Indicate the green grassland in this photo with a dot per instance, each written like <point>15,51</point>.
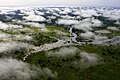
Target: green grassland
<point>64,66</point>
<point>40,39</point>
<point>113,34</point>
<point>60,28</point>
<point>66,70</point>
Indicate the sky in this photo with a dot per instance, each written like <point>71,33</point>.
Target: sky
<point>114,3</point>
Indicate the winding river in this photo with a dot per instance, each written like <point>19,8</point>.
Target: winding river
<point>71,41</point>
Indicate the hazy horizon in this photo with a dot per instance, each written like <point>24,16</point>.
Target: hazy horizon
<point>20,3</point>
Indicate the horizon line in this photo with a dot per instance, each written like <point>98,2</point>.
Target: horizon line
<point>56,6</point>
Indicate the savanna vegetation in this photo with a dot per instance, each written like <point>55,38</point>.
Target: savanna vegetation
<point>40,39</point>
<point>66,69</point>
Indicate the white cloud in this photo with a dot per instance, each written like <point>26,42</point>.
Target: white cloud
<point>88,58</point>
<point>4,36</point>
<point>113,28</point>
<point>67,22</point>
<point>96,23</point>
<point>88,13</point>
<point>4,26</point>
<point>83,26</point>
<point>22,37</point>
<point>10,47</point>
<point>112,14</point>
<point>103,31</point>
<point>63,52</point>
<point>49,73</point>
<point>12,69</point>
<point>33,24</point>
<point>87,34</point>
<point>100,38</point>
<point>35,18</point>
<point>88,23</point>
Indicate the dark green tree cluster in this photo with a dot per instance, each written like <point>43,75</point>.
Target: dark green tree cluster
<point>40,39</point>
